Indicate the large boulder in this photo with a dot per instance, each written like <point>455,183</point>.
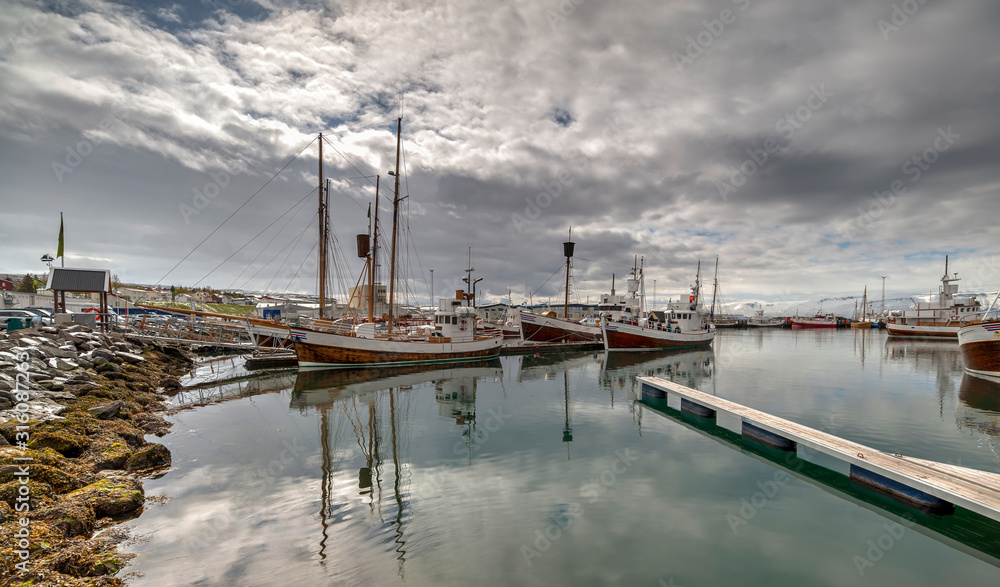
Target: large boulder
<point>73,517</point>
<point>107,411</point>
<point>112,496</point>
<point>68,445</point>
<point>154,455</point>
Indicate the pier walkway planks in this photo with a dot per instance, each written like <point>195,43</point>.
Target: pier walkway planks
<point>972,489</point>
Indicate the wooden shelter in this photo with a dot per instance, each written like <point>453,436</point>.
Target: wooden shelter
<point>66,279</point>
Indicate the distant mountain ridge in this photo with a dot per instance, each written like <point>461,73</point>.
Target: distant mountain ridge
<point>839,305</point>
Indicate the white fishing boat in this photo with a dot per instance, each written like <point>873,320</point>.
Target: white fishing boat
<point>686,325</point>
<point>762,321</point>
<point>941,318</point>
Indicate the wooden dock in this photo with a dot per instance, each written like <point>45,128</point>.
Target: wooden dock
<point>975,490</point>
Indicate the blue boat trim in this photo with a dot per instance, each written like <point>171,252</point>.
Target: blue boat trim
<point>696,409</point>
<point>653,391</point>
<point>766,437</point>
<point>901,492</point>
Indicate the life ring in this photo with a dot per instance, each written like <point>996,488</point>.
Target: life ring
<point>462,323</point>
<point>954,316</point>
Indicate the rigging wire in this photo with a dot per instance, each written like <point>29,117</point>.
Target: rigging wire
<point>294,243</point>
<point>275,221</point>
<point>308,255</point>
<point>234,212</point>
<point>264,248</point>
<point>558,269</point>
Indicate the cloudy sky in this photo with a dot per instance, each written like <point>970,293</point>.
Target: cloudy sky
<point>813,146</point>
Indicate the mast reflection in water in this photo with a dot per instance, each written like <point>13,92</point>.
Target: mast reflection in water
<point>444,476</point>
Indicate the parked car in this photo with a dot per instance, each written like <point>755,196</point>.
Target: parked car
<point>27,318</point>
<point>46,317</point>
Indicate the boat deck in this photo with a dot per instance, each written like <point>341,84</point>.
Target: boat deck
<point>972,489</point>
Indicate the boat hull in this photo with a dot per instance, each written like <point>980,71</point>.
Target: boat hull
<point>980,346</point>
<point>628,337</point>
<point>922,331</point>
<point>812,324</point>
<point>537,328</point>
<point>321,349</point>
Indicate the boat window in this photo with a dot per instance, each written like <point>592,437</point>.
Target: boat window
<point>454,319</point>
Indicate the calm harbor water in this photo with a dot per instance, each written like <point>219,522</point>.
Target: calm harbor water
<point>554,470</point>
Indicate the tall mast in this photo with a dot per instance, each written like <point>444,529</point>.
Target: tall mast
<point>568,251</point>
<point>322,234</point>
<point>881,310</point>
<point>371,272</point>
<point>715,287</point>
<point>697,285</point>
<point>468,276</point>
<point>395,217</point>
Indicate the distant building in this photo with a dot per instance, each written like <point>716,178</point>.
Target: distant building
<point>6,285</point>
<point>144,295</point>
<point>358,296</point>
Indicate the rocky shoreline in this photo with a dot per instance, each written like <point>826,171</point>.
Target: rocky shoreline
<point>75,408</point>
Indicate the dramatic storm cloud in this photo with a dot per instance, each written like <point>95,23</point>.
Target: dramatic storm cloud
<point>813,146</point>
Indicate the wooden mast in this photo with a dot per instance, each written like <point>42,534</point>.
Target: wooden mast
<point>568,251</point>
<point>371,272</point>
<point>322,234</point>
<point>395,217</point>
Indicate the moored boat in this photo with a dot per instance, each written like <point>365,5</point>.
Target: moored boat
<point>686,325</point>
<point>980,346</point>
<point>547,327</point>
<point>937,319</point>
<point>452,338</point>
<point>818,321</point>
<point>760,320</point>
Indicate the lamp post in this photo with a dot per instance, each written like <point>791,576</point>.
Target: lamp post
<point>432,288</point>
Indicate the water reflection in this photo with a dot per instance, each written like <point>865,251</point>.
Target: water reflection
<point>971,533</point>
<point>979,405</point>
<point>694,368</point>
<point>374,403</point>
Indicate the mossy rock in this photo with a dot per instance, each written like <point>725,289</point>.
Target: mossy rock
<point>132,436</point>
<point>73,517</point>
<point>45,456</point>
<point>39,492</point>
<point>82,562</point>
<point>59,480</point>
<point>109,392</point>
<point>154,455</point>
<point>66,444</point>
<point>112,496</point>
<point>110,452</point>
<point>9,429</point>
